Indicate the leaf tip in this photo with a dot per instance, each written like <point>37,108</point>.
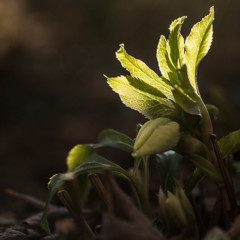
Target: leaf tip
<point>212,9</point>
<point>105,76</point>
<point>121,48</point>
<point>182,19</point>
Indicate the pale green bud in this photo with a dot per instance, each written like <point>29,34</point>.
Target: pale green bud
<point>176,212</point>
<point>156,136</point>
<point>174,205</point>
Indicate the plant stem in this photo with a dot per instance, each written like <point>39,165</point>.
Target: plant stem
<point>99,188</point>
<point>225,175</point>
<point>210,141</point>
<point>136,167</point>
<point>193,181</point>
<point>146,203</point>
<point>70,198</point>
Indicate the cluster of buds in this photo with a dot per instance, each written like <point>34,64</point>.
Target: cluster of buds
<point>176,212</point>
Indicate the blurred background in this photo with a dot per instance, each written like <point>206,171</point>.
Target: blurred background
<point>53,95</point>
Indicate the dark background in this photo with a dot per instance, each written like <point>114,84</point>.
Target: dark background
<point>53,95</point>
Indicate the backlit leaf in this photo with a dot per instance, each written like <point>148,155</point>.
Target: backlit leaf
<point>175,45</point>
<point>170,54</point>
<point>198,44</point>
<point>142,97</point>
<point>164,63</point>
<point>77,155</point>
<point>139,69</point>
<point>75,158</point>
<point>187,102</point>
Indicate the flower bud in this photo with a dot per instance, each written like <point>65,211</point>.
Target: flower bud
<point>156,136</point>
<point>176,212</point>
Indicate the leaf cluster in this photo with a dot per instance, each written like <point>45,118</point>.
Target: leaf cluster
<point>179,127</point>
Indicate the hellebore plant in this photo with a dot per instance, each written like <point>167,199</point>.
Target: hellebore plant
<point>179,127</point>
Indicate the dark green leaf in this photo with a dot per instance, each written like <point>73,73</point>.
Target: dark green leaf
<point>54,184</point>
<point>212,110</point>
<point>206,166</point>
<point>92,164</point>
<point>168,166</point>
<point>196,152</point>
<point>193,180</point>
<point>191,145</point>
<point>95,163</point>
<point>236,166</point>
<point>113,138</point>
<point>230,144</point>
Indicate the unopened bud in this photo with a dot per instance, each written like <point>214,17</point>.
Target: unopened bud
<point>156,136</point>
<point>176,212</point>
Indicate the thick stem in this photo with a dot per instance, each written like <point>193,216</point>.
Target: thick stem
<point>210,141</point>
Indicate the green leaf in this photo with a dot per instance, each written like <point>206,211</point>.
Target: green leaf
<point>78,155</point>
<point>170,54</point>
<point>187,102</point>
<point>95,164</point>
<point>54,184</point>
<point>205,165</point>
<point>113,138</point>
<point>175,45</point>
<point>230,144</point>
<point>198,44</point>
<point>168,166</point>
<point>142,97</point>
<point>139,69</point>
<point>196,152</point>
<point>165,66</point>
<point>191,145</point>
<point>193,180</point>
<point>75,158</point>
<point>236,166</point>
<point>92,164</point>
<point>212,110</point>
